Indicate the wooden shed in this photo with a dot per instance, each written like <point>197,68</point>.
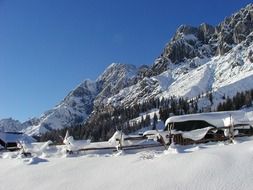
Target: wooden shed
<point>204,127</point>
<point>9,140</point>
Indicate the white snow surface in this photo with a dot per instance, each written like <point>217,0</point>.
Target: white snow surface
<point>197,134</point>
<point>205,166</point>
<point>218,119</point>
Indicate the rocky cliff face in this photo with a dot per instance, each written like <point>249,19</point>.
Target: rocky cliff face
<point>114,78</point>
<point>233,30</point>
<point>206,41</point>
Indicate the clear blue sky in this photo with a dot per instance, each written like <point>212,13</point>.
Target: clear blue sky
<point>47,47</point>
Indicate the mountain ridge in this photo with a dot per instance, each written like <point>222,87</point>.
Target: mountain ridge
<point>215,59</point>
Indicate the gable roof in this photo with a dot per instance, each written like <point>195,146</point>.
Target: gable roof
<point>217,119</point>
<point>13,137</point>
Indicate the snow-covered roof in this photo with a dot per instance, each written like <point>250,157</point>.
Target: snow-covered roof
<point>8,137</point>
<point>218,119</point>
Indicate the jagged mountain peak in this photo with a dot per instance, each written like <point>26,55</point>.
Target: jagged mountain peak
<point>186,32</point>
<point>187,43</point>
<point>10,125</point>
<point>233,30</point>
<point>186,29</point>
<point>191,42</point>
<point>116,77</point>
<point>117,70</point>
<point>115,74</point>
<point>190,34</point>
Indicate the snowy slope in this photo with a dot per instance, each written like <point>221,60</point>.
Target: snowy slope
<point>75,108</point>
<point>234,71</point>
<point>207,166</point>
<point>226,74</point>
<point>222,75</point>
<point>79,103</point>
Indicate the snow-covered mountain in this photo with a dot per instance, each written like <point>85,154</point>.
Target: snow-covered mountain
<point>75,108</point>
<point>113,79</point>
<point>10,124</point>
<point>197,60</point>
<point>79,103</point>
<point>206,41</point>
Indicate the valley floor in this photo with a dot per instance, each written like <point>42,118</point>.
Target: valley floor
<point>205,166</point>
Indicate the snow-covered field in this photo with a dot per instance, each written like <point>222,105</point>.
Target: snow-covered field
<point>205,166</point>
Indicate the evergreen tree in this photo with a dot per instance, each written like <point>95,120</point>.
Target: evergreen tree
<point>147,120</point>
<point>154,121</point>
<point>211,98</point>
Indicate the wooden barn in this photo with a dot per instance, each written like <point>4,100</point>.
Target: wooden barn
<point>9,140</point>
<point>205,127</point>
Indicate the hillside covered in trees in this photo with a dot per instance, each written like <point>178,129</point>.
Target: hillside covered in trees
<point>102,126</point>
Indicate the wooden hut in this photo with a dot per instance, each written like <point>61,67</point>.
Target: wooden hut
<point>9,140</point>
<point>204,127</point>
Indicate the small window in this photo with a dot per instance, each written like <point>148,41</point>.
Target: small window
<point>191,125</point>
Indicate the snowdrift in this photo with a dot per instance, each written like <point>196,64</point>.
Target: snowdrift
<point>206,166</point>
